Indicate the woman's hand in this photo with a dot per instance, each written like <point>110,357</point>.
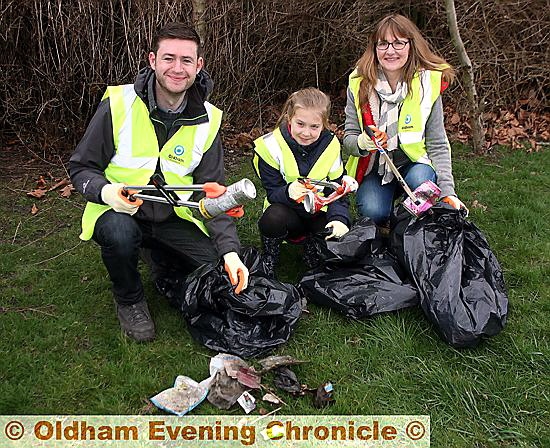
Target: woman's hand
<point>454,202</point>
<point>365,143</point>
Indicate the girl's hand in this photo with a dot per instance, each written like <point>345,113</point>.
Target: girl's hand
<point>297,190</point>
<point>338,229</point>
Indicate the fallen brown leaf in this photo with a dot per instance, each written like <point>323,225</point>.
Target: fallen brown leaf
<point>67,191</point>
<point>38,193</point>
<point>477,204</point>
<point>34,209</point>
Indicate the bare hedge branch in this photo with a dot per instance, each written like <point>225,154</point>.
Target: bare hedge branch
<point>59,55</point>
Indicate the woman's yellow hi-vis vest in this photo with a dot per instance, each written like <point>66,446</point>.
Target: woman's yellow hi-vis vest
<point>137,152</point>
<point>274,150</point>
<point>414,113</point>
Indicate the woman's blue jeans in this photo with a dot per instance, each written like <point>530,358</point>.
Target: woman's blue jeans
<point>376,200</point>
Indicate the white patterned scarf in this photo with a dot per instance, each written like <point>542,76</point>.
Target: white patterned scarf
<point>388,103</point>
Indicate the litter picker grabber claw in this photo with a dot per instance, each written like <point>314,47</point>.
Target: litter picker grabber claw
<point>219,199</point>
<point>314,202</point>
<point>419,200</point>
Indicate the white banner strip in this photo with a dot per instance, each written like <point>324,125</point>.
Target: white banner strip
<point>210,430</point>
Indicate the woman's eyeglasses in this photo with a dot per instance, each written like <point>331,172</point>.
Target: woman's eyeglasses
<point>396,44</point>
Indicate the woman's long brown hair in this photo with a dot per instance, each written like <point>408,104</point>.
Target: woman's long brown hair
<point>421,56</point>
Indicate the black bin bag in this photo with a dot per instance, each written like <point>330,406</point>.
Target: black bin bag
<point>359,277</point>
<point>458,277</point>
<point>254,322</point>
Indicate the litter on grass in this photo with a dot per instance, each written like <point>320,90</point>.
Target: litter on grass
<point>247,402</point>
<point>231,380</point>
<point>324,395</point>
<point>184,396</point>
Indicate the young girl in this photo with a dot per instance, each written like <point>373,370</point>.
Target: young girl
<point>395,90</point>
<point>301,145</point>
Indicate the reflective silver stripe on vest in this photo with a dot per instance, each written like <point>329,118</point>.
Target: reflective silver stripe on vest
<point>275,151</point>
<point>184,195</point>
<point>201,136</point>
<point>123,156</point>
<point>336,164</point>
<point>425,109</point>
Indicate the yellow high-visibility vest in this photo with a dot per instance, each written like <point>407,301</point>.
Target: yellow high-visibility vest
<point>414,113</point>
<point>274,150</point>
<point>137,151</point>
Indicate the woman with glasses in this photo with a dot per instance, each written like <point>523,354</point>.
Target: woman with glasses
<point>395,90</point>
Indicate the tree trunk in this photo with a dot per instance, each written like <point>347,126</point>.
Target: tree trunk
<point>199,7</point>
<point>476,118</point>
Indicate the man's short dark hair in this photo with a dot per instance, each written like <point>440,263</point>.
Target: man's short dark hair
<point>176,30</point>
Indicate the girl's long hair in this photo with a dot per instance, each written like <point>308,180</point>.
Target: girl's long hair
<point>421,56</point>
<point>308,98</point>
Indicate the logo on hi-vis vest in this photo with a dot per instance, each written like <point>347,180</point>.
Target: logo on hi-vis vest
<point>408,119</point>
<point>179,150</point>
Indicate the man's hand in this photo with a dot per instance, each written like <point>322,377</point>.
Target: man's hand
<point>454,202</point>
<point>111,194</point>
<point>366,144</point>
<point>297,190</point>
<point>338,229</point>
<point>237,271</point>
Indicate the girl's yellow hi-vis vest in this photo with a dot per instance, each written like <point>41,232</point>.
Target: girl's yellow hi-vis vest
<point>274,150</point>
<point>137,152</point>
<point>414,113</point>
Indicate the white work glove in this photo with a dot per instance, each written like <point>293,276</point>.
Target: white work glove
<point>111,194</point>
<point>237,271</point>
<point>296,191</point>
<point>338,229</point>
<point>366,144</point>
<point>454,202</point>
<point>350,182</point>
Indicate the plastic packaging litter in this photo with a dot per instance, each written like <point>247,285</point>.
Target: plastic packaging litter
<point>247,402</point>
<point>224,390</point>
<point>324,395</point>
<point>229,363</point>
<point>251,323</point>
<point>272,362</point>
<point>184,396</point>
<point>286,380</point>
<point>249,377</point>
<point>360,277</point>
<point>458,277</point>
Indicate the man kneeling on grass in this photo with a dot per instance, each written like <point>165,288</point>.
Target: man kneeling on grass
<point>162,124</point>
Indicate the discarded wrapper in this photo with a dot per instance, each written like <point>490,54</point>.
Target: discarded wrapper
<point>184,396</point>
<point>224,390</point>
<point>272,362</point>
<point>286,380</point>
<point>247,402</point>
<point>249,377</point>
<point>323,396</point>
<point>272,398</point>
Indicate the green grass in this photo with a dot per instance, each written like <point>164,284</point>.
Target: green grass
<point>62,351</point>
